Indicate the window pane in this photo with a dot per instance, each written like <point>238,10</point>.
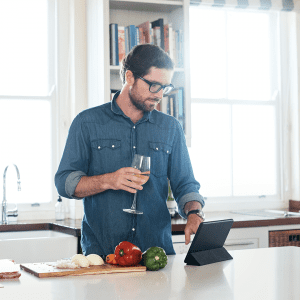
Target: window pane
<point>231,54</point>
<point>23,51</point>
<point>25,141</point>
<point>254,150</point>
<point>208,53</point>
<point>249,55</point>
<point>211,148</point>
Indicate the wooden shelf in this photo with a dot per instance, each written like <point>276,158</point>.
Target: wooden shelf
<point>150,6</point>
<point>116,69</point>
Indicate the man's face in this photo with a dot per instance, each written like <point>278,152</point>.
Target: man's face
<point>139,93</point>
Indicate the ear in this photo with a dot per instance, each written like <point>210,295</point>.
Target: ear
<point>129,78</point>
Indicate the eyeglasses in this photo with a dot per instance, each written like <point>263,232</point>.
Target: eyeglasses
<point>155,87</point>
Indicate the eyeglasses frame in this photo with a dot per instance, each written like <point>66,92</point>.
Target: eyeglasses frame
<point>152,83</point>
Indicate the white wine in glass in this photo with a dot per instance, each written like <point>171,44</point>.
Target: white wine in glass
<point>141,163</point>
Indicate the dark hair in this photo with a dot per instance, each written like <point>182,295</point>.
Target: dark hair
<point>142,57</point>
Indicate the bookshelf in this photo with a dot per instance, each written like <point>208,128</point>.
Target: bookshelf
<point>102,77</point>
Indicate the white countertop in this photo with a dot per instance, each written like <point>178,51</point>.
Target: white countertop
<point>269,273</point>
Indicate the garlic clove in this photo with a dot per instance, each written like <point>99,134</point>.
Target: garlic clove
<point>95,260</point>
<point>80,260</point>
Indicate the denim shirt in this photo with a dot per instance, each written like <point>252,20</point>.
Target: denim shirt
<point>102,140</point>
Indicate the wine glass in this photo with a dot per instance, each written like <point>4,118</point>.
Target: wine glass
<point>141,163</point>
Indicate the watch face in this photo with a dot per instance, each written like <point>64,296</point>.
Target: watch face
<point>201,215</point>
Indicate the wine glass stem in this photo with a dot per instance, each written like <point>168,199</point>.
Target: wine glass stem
<point>133,207</point>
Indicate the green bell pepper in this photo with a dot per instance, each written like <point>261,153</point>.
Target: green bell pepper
<point>154,258</point>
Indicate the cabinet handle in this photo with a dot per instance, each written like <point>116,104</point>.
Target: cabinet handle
<point>240,244</point>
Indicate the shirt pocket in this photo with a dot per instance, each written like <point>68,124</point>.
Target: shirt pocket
<point>159,158</point>
<point>106,155</point>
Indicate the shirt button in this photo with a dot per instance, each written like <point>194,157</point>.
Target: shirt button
<point>167,151</point>
<point>99,147</point>
<point>133,229</point>
<point>133,127</point>
<point>134,147</point>
<point>156,148</point>
<point>113,146</point>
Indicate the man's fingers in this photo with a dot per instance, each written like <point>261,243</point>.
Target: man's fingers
<point>128,189</point>
<point>131,170</point>
<point>187,237</point>
<point>133,182</point>
<point>138,180</point>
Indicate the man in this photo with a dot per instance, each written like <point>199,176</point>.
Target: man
<point>99,150</point>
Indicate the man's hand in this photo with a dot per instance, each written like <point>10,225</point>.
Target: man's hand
<point>122,179</point>
<point>191,227</point>
<point>126,179</point>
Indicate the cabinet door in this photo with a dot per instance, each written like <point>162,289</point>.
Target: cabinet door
<point>179,243</point>
<point>241,244</point>
<point>247,238</point>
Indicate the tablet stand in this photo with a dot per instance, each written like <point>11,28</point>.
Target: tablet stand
<point>205,257</point>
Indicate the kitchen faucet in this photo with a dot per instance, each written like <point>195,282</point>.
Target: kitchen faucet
<point>4,202</point>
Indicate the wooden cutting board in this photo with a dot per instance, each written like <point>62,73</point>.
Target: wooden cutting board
<point>48,269</point>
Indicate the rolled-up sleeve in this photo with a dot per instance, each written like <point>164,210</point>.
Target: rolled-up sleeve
<point>184,186</point>
<point>188,198</point>
<point>71,183</point>
<point>75,159</point>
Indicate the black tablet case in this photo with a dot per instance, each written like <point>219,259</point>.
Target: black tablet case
<point>207,245</point>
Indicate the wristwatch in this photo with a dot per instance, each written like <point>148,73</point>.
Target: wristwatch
<point>198,212</point>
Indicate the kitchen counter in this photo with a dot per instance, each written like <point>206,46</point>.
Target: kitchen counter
<point>73,227</point>
<point>69,226</point>
<point>240,220</point>
<point>270,273</point>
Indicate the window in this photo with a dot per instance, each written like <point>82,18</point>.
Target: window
<point>235,109</point>
<point>27,97</point>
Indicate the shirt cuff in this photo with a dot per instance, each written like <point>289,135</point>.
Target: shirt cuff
<point>188,198</point>
<point>71,183</point>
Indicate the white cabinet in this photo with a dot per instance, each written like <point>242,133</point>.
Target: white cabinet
<point>247,238</point>
<point>179,243</point>
<point>238,239</point>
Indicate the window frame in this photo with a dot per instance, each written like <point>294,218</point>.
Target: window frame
<point>280,200</point>
<point>28,207</point>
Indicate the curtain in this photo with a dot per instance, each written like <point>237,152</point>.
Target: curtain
<point>279,5</point>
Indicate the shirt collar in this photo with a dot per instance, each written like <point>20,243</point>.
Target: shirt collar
<point>118,111</point>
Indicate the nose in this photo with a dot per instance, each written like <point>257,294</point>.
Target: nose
<point>160,94</point>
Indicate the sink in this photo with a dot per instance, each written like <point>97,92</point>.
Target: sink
<point>268,213</point>
<point>37,246</point>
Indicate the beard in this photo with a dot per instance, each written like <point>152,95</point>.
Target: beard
<point>141,104</point>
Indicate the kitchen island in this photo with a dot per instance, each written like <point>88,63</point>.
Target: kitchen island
<point>270,273</point>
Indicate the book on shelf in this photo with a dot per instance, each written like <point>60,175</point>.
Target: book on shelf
<point>173,104</point>
<point>171,42</point>
<point>132,36</point>
<point>181,108</point>
<point>121,43</point>
<point>145,32</point>
<point>179,50</point>
<point>123,39</point>
<point>113,42</point>
<point>158,28</point>
<point>166,38</point>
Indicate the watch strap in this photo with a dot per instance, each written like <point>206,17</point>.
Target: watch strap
<point>197,212</point>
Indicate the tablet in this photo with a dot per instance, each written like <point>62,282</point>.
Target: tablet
<point>210,236</point>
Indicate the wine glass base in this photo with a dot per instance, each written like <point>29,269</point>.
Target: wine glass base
<point>132,211</point>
